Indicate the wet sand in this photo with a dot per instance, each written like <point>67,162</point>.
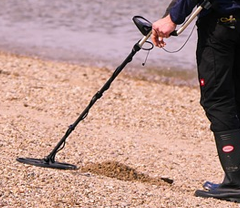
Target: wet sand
<point>143,144</point>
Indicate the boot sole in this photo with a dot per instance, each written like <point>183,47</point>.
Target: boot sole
<point>233,196</point>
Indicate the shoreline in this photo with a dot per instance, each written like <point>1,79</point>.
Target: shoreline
<point>144,144</point>
<point>168,75</point>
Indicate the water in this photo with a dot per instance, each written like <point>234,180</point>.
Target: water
<point>97,32</point>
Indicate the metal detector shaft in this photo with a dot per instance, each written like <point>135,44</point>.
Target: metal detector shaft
<point>49,161</point>
<point>98,95</point>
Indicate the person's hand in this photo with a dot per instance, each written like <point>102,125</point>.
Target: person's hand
<point>162,29</point>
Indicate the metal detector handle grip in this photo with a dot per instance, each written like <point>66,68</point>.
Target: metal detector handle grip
<point>205,5</point>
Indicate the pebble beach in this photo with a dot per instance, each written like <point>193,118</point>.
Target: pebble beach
<point>143,144</point>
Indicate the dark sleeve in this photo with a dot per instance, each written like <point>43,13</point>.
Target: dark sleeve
<point>180,9</point>
<point>169,8</point>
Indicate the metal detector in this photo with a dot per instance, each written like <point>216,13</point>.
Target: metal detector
<point>145,28</point>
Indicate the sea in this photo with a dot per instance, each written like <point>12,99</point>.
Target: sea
<point>94,32</point>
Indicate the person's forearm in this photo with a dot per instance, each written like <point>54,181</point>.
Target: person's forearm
<point>180,9</point>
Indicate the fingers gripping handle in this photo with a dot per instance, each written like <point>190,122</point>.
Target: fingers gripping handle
<point>145,26</point>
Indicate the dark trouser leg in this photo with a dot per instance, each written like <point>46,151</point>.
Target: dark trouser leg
<point>219,75</point>
<point>236,76</point>
<point>216,58</point>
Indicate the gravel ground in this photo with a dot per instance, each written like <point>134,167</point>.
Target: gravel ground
<point>143,144</point>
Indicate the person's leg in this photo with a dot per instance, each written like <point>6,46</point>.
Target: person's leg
<point>215,59</point>
<point>236,74</point>
<point>237,78</point>
<point>216,69</point>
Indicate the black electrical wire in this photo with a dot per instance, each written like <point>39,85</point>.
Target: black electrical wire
<point>175,51</point>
